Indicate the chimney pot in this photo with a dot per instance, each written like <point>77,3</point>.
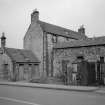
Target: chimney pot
<point>3,40</point>
<point>35,16</point>
<point>81,30</point>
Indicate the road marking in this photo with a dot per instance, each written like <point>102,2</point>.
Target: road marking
<point>18,101</point>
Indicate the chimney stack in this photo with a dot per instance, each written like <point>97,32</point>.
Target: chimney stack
<point>81,30</point>
<point>35,16</point>
<point>3,40</point>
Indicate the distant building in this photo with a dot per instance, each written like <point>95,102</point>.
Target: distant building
<point>41,37</point>
<point>17,64</point>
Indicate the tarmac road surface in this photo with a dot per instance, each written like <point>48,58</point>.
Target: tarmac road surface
<point>12,95</point>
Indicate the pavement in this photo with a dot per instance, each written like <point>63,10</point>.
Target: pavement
<point>14,95</point>
<point>55,87</point>
<point>22,93</point>
<point>100,90</point>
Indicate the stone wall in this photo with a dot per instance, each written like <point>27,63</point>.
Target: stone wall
<point>33,41</point>
<point>90,54</point>
<point>6,67</point>
<point>51,41</point>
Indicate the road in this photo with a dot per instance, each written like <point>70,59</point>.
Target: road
<point>11,95</point>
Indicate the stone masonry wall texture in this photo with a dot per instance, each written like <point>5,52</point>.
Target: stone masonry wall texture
<point>90,54</point>
<point>33,41</point>
<point>5,59</point>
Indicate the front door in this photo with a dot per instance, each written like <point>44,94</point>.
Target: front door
<point>91,73</point>
<point>64,70</point>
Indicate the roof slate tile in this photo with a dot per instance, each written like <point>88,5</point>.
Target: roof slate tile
<point>21,55</point>
<point>57,30</point>
<point>82,43</point>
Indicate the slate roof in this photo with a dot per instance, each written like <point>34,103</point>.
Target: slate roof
<point>57,30</point>
<point>21,55</point>
<point>82,43</point>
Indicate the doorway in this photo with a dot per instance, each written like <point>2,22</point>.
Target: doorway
<point>5,71</point>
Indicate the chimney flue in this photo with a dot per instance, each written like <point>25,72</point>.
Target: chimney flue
<point>35,16</point>
<point>3,40</point>
<point>81,30</point>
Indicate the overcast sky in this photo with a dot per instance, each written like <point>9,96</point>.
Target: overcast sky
<point>15,16</point>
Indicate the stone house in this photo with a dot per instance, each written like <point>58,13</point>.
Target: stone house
<point>17,64</point>
<point>82,61</point>
<point>41,37</point>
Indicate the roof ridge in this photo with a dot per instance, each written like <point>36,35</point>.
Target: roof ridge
<point>65,29</point>
<point>61,31</point>
<point>21,55</point>
<point>81,43</point>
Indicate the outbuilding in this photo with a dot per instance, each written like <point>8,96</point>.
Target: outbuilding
<point>17,64</point>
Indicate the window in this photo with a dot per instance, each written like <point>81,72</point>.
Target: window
<point>101,59</point>
<point>80,57</point>
<point>21,64</point>
<point>74,68</point>
<point>54,39</point>
<point>67,39</point>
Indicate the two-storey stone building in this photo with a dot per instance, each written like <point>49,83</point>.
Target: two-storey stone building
<point>82,62</point>
<point>66,54</point>
<point>41,37</point>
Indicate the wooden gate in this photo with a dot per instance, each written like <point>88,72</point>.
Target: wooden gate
<point>91,73</point>
<point>82,75</point>
<point>21,72</point>
<point>100,73</point>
